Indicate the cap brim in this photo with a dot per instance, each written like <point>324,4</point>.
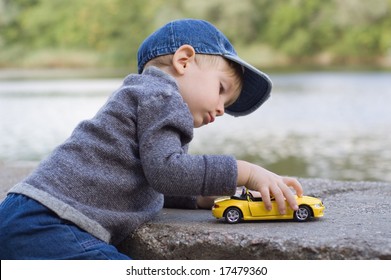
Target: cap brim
<point>255,90</point>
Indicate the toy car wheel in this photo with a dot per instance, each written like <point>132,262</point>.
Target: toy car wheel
<point>303,214</point>
<point>233,215</point>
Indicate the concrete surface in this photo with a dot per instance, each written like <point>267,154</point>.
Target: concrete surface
<point>356,225</point>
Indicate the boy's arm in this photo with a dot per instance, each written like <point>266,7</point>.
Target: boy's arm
<point>165,128</point>
<point>269,184</point>
<point>254,178</point>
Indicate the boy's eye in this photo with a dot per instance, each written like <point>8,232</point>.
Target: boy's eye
<point>221,89</point>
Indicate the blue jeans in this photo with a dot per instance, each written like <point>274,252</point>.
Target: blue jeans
<point>29,230</point>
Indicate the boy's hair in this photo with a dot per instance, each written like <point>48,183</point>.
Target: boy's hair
<point>234,70</point>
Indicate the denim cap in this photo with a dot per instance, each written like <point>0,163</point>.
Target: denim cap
<point>207,39</point>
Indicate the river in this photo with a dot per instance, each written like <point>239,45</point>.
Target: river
<point>332,125</point>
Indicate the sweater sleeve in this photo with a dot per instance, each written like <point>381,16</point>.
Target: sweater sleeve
<point>165,127</point>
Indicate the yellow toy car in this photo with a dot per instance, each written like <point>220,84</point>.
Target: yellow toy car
<point>247,207</point>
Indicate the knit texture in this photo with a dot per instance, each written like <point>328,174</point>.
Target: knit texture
<point>110,175</point>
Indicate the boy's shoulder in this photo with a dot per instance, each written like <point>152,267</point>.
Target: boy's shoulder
<point>153,86</point>
<point>153,78</point>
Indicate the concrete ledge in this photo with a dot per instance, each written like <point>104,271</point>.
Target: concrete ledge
<point>357,225</point>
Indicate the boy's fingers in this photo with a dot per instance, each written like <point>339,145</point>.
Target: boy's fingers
<point>295,184</point>
<point>290,198</point>
<point>282,194</point>
<point>279,197</point>
<point>266,198</point>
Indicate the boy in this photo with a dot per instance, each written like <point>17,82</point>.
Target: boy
<point>110,176</point>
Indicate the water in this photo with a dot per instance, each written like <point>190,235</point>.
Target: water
<point>329,125</point>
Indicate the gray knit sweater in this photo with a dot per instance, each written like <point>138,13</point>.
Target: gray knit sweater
<point>110,176</point>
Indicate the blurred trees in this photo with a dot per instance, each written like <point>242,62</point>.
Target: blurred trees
<point>108,32</point>
<point>112,29</point>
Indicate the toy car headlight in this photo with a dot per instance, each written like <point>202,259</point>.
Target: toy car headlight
<point>319,205</point>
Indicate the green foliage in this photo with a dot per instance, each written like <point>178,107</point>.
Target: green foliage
<point>110,31</point>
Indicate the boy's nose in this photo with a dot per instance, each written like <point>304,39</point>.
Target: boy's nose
<point>220,110</point>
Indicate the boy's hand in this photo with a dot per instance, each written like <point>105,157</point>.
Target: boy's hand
<point>268,183</point>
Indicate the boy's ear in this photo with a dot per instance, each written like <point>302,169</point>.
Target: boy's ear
<point>182,57</point>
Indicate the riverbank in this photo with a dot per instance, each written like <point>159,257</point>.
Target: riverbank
<point>62,73</point>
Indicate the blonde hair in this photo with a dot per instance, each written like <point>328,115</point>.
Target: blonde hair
<point>205,60</point>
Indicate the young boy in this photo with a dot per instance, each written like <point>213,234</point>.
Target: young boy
<point>110,176</point>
